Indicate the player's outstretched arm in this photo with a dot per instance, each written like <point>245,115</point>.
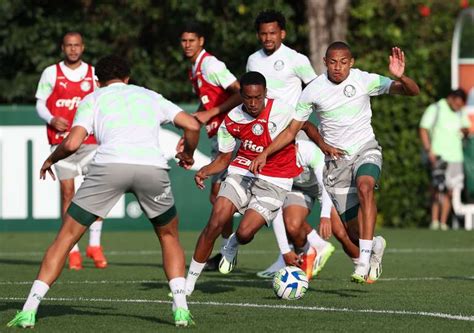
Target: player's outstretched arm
<point>282,140</point>
<point>191,129</point>
<point>68,147</point>
<point>221,162</point>
<point>403,85</point>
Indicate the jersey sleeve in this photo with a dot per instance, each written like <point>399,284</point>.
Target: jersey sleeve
<point>303,69</point>
<point>375,84</point>
<point>85,114</point>
<point>225,140</point>
<point>304,107</point>
<point>46,83</point>
<point>167,109</point>
<point>428,118</point>
<point>217,73</point>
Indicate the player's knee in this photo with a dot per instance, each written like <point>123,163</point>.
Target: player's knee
<point>244,235</point>
<point>365,189</point>
<point>292,229</point>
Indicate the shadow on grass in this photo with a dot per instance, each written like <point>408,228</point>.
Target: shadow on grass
<point>48,310</point>
<point>19,262</point>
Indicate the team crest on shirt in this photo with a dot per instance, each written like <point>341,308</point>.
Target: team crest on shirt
<point>257,129</point>
<point>279,65</point>
<point>349,90</point>
<point>85,86</point>
<point>272,127</point>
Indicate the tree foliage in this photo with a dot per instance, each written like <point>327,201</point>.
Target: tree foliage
<point>147,33</point>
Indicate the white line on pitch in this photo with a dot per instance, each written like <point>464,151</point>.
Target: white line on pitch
<point>246,252</point>
<point>267,306</point>
<point>394,279</point>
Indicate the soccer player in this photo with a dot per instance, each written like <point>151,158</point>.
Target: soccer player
<point>255,123</point>
<point>218,92</point>
<point>285,70</point>
<point>126,120</point>
<point>341,99</point>
<point>291,218</point>
<point>61,87</point>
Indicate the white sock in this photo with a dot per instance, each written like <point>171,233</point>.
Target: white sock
<point>177,286</point>
<point>195,269</point>
<point>232,242</point>
<point>355,261</point>
<point>37,292</point>
<point>75,248</point>
<point>316,241</point>
<point>378,245</point>
<point>365,249</point>
<point>95,231</point>
<point>223,242</point>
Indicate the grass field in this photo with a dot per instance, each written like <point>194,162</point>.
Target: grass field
<point>427,286</point>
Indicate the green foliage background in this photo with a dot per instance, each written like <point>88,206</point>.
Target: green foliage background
<point>147,33</point>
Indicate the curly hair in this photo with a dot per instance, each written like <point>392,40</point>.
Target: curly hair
<point>269,16</point>
<point>112,67</point>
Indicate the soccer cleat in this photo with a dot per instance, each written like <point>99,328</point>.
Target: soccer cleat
<point>360,274</point>
<point>270,272</point>
<point>228,260</point>
<point>434,225</point>
<point>443,227</point>
<point>266,274</point>
<point>75,260</point>
<point>97,255</point>
<point>212,264</point>
<point>322,257</point>
<point>25,319</point>
<point>183,318</point>
<point>376,259</point>
<point>307,262</point>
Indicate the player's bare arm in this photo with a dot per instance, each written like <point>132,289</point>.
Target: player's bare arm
<point>230,103</point>
<point>403,85</point>
<point>282,140</point>
<point>68,147</point>
<point>191,129</point>
<point>221,162</point>
<point>313,133</point>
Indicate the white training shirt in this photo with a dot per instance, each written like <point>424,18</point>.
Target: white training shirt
<point>125,120</point>
<point>214,71</point>
<point>279,118</point>
<point>311,158</point>
<point>343,109</point>
<point>285,70</point>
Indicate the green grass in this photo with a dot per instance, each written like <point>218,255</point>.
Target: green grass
<point>425,273</point>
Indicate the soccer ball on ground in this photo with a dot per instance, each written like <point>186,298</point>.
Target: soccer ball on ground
<point>290,283</point>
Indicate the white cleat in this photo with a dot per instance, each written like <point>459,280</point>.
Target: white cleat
<point>376,259</point>
<point>269,273</point>
<point>229,259</point>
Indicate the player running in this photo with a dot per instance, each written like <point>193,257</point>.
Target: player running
<point>285,70</point>
<point>341,99</point>
<point>218,92</point>
<point>61,87</point>
<point>126,120</point>
<point>258,197</point>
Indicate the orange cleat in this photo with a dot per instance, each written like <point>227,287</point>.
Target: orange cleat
<point>75,260</point>
<point>96,254</point>
<point>307,262</point>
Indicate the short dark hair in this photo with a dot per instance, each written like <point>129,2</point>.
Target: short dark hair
<point>72,33</point>
<point>458,93</point>
<point>338,45</point>
<point>269,16</point>
<point>112,67</point>
<point>193,27</point>
<point>252,78</point>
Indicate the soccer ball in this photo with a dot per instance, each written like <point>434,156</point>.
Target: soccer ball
<point>290,283</point>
